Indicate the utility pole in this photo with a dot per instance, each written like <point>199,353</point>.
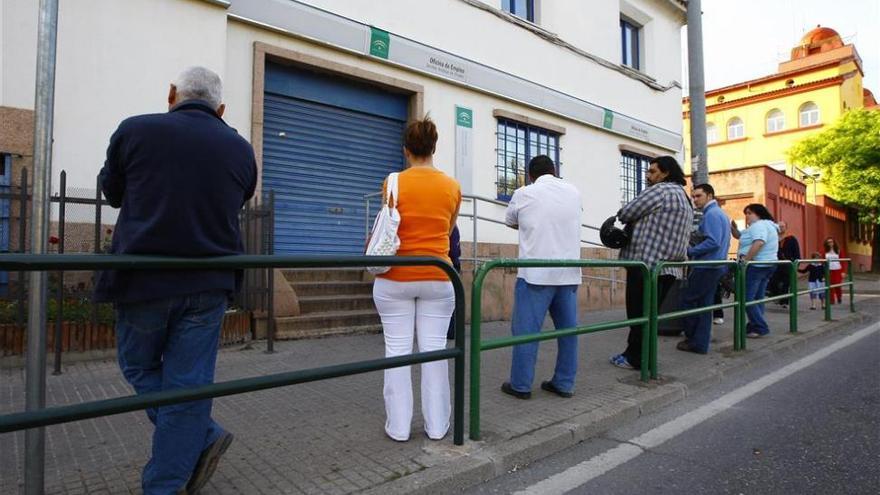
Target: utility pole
<point>44,108</point>
<point>697,93</point>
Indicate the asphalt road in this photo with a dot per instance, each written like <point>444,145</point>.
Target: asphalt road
<point>814,430</point>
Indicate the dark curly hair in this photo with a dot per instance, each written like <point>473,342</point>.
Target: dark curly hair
<point>760,210</point>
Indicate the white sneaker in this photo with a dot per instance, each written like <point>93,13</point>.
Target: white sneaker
<point>718,321</point>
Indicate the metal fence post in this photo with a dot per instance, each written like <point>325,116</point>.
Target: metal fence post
<point>476,320</point>
<point>59,293</point>
<point>793,302</point>
<point>98,247</point>
<point>827,291</point>
<point>458,397</point>
<point>474,239</point>
<point>740,337</point>
<point>22,235</point>
<point>270,303</point>
<point>366,220</point>
<point>852,286</point>
<point>649,329</point>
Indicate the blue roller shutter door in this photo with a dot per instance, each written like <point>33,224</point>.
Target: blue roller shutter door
<point>326,143</point>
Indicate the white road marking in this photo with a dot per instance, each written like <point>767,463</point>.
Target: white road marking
<point>579,474</point>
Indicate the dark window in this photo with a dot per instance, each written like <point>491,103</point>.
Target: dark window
<point>629,44</point>
<point>517,144</point>
<point>520,8</point>
<point>633,168</point>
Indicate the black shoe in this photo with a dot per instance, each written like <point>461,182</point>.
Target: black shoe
<point>207,463</point>
<point>686,346</point>
<point>507,389</point>
<point>548,386</point>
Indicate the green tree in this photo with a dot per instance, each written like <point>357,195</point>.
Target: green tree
<point>848,156</point>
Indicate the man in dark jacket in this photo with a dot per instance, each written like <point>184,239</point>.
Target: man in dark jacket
<point>180,179</point>
<point>789,249</point>
<point>714,243</point>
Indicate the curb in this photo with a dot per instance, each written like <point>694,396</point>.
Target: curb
<point>481,462</point>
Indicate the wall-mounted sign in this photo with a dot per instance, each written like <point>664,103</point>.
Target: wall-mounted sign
<point>380,43</point>
<point>464,158</point>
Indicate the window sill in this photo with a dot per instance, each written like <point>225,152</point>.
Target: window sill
<point>796,129</point>
<point>729,141</point>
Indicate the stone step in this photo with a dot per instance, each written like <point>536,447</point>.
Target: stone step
<point>309,289</point>
<point>347,302</point>
<point>319,321</point>
<point>302,275</point>
<point>326,332</point>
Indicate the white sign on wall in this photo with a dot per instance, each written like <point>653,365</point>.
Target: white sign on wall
<point>464,158</point>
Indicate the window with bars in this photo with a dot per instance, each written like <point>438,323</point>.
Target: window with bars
<point>633,168</point>
<point>524,9</point>
<point>518,143</point>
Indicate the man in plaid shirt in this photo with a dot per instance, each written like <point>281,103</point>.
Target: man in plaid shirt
<point>660,221</point>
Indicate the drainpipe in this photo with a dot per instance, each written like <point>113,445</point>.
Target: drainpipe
<point>697,93</point>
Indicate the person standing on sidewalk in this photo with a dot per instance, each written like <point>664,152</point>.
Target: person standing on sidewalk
<point>703,281</point>
<point>419,299</point>
<point>816,281</point>
<point>179,179</point>
<point>660,219</point>
<point>789,249</point>
<point>547,214</point>
<point>832,254</point>
<point>455,256</point>
<point>758,242</point>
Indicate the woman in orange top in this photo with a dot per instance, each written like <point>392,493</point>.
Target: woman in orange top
<point>419,299</point>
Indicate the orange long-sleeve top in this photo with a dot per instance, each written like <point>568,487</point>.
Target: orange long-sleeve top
<point>429,202</point>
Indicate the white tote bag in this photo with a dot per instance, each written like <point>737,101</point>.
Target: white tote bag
<point>383,238</point>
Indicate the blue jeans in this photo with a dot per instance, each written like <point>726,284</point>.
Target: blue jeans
<point>701,288</point>
<point>757,278</point>
<point>530,306</point>
<point>166,344</point>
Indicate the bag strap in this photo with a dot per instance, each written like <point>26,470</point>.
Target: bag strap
<point>391,190</point>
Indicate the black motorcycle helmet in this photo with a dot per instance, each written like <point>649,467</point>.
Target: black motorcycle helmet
<point>611,236</point>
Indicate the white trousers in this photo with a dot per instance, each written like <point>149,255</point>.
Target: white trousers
<point>407,308</point>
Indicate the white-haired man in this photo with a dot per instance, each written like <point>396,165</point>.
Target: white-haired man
<point>179,179</point>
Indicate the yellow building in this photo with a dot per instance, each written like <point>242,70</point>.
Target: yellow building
<point>753,123</point>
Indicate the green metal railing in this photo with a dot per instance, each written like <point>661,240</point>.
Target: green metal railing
<point>478,345</point>
<point>828,285</point>
<point>75,412</point>
<point>793,292</point>
<point>656,318</point>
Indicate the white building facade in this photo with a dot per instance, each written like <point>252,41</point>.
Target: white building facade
<point>323,88</point>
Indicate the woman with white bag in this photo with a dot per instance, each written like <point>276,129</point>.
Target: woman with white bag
<point>418,299</point>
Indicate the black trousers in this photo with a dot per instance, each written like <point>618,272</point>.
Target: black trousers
<point>718,313</point>
<point>635,307</point>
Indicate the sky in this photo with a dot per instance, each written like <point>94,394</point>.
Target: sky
<point>746,39</point>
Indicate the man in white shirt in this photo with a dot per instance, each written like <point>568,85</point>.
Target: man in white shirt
<point>547,214</point>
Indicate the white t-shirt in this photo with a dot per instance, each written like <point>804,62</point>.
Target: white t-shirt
<point>832,258</point>
<point>548,216</point>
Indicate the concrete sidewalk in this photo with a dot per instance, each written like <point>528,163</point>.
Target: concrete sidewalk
<point>327,437</point>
